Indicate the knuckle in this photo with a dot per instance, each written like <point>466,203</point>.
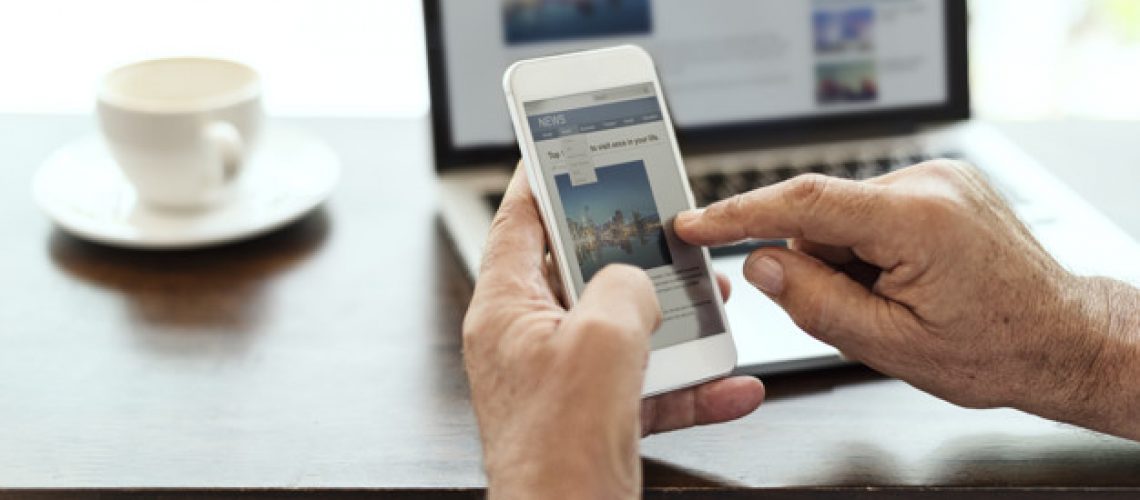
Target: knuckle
<point>932,207</point>
<point>968,169</point>
<point>493,253</point>
<point>733,215</point>
<point>960,167</point>
<point>480,325</point>
<point>485,324</point>
<point>866,199</point>
<point>509,337</point>
<point>955,172</point>
<point>502,215</point>
<point>943,192</point>
<point>513,207</point>
<point>734,207</point>
<point>806,190</point>
<point>728,210</point>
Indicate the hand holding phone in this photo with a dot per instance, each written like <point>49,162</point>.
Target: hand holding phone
<point>601,158</point>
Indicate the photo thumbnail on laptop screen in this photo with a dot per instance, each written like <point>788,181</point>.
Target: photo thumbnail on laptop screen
<point>720,61</point>
<point>612,176</point>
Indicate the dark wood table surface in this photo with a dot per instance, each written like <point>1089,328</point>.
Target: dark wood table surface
<point>324,360</point>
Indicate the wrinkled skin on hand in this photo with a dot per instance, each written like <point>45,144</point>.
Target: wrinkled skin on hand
<point>924,274</point>
<point>557,392</point>
<point>927,275</point>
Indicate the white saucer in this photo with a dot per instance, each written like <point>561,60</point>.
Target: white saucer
<point>82,190</point>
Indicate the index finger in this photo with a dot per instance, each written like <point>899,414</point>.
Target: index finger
<point>821,209</point>
<point>515,253</point>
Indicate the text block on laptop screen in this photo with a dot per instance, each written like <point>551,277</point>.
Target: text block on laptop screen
<point>721,61</point>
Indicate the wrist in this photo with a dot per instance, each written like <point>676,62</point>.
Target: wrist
<point>565,465</point>
<point>1089,361</point>
<point>1117,395</point>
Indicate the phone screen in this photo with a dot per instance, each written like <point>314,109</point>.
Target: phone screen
<point>607,160</point>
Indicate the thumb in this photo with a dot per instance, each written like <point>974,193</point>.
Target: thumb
<point>608,330</point>
<point>618,300</point>
<point>825,303</point>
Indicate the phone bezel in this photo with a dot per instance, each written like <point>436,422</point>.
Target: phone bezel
<point>672,367</point>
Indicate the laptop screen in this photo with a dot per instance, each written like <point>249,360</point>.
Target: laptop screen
<point>723,63</point>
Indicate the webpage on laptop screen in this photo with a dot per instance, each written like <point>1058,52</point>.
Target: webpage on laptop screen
<point>720,61</point>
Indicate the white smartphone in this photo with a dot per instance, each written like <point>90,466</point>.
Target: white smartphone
<point>603,163</point>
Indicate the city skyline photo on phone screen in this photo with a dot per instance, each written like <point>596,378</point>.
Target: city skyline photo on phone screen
<point>610,169</point>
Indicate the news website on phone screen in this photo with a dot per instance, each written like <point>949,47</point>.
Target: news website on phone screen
<point>608,164</point>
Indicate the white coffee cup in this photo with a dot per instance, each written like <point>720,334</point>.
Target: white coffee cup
<point>181,129</point>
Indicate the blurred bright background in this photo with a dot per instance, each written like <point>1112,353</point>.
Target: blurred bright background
<point>1031,59</point>
<point>317,57</point>
<point>1039,59</point>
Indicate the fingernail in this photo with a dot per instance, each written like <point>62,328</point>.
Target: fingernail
<point>767,274</point>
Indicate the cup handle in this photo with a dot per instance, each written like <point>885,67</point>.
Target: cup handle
<point>227,139</point>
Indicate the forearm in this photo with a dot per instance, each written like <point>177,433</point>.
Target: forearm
<point>1098,384</point>
<point>568,465</point>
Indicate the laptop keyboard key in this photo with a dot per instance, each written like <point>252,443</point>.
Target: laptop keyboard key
<point>774,176</point>
<point>786,172</point>
<point>702,191</point>
<point>867,171</point>
<point>717,187</point>
<point>845,170</point>
<point>715,180</point>
<point>876,168</point>
<point>729,188</point>
<point>750,179</point>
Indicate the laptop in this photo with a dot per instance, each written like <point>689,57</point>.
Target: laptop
<point>760,91</point>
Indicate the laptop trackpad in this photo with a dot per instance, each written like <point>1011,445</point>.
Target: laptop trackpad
<point>767,341</point>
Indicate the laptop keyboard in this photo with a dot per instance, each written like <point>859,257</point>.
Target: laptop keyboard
<point>715,186</point>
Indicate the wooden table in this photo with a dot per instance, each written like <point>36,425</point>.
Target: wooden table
<point>324,360</point>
